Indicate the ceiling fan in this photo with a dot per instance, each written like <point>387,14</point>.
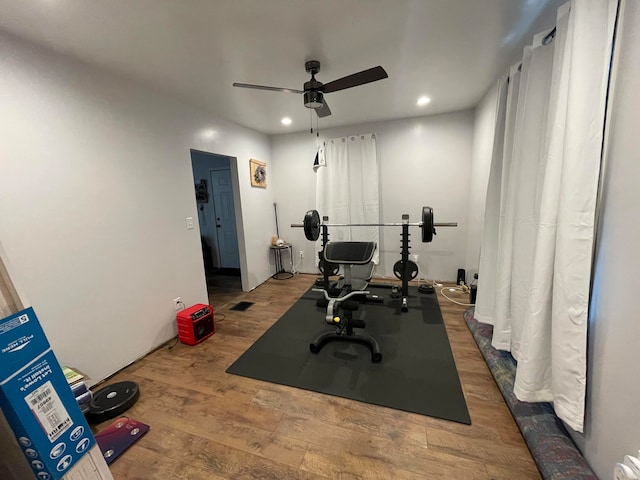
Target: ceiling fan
<point>314,90</point>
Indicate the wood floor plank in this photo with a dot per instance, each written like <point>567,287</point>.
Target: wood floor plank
<point>239,436</point>
<point>403,454</point>
<point>478,449</point>
<point>332,462</point>
<point>227,462</point>
<point>356,416</point>
<point>140,463</point>
<point>500,472</point>
<point>206,424</point>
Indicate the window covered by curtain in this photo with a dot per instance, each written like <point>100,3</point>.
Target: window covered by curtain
<point>537,248</point>
<point>347,188</point>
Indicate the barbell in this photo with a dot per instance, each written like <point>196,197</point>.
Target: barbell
<point>312,224</point>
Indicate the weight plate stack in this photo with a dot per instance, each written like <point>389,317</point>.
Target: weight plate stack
<point>112,400</point>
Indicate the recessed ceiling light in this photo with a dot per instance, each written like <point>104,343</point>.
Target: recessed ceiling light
<point>286,121</point>
<point>422,101</point>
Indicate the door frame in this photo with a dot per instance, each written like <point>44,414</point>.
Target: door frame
<point>237,206</point>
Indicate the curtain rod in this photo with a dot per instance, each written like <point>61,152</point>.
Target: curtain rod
<point>549,37</point>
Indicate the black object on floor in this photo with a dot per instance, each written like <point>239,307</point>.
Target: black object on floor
<point>417,373</point>
<point>241,306</point>
<point>112,400</point>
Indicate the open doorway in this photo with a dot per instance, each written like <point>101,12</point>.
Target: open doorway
<point>214,191</point>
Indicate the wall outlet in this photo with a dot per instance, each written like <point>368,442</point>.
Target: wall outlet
<point>177,304</point>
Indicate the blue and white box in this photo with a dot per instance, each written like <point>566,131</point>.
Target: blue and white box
<point>39,405</point>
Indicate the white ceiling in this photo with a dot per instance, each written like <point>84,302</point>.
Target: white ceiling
<point>450,50</point>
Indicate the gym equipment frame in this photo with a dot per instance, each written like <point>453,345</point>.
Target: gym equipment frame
<point>312,224</point>
<point>404,269</point>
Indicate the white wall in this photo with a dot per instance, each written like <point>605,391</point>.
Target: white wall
<point>95,186</point>
<point>612,426</point>
<point>483,131</point>
<point>422,161</point>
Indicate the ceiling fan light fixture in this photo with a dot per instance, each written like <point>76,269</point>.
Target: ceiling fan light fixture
<point>314,90</point>
<point>313,99</point>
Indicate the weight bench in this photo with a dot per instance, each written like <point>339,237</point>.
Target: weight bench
<point>346,254</point>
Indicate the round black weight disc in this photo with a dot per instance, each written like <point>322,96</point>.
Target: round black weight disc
<point>428,230</point>
<point>411,270</point>
<point>312,225</point>
<point>111,401</point>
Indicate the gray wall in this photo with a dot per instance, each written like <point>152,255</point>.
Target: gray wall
<point>422,161</point>
<point>95,188</point>
<point>612,426</point>
<point>483,131</point>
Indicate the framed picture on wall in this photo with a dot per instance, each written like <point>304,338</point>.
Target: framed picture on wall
<point>258,171</point>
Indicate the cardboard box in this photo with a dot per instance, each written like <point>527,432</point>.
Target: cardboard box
<point>40,408</point>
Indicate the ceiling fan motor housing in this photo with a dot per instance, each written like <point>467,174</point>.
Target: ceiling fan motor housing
<point>313,99</point>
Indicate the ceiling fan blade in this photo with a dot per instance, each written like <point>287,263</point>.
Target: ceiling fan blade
<point>324,110</point>
<point>366,76</point>
<point>264,87</point>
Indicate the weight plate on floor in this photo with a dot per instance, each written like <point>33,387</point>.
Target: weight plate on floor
<point>112,400</point>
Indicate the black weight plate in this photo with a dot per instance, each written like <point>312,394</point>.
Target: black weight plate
<point>428,230</point>
<point>411,270</point>
<point>112,400</point>
<point>312,225</point>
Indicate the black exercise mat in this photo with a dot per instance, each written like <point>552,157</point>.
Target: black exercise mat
<point>417,373</point>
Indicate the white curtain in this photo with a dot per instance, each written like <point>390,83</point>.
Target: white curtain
<point>538,297</point>
<point>514,262</point>
<point>347,188</point>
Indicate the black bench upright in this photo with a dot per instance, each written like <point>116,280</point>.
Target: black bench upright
<point>346,254</point>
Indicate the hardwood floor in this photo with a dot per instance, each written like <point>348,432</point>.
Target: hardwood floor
<point>206,424</point>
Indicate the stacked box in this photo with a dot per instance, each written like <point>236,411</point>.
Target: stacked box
<point>79,388</point>
<point>40,407</point>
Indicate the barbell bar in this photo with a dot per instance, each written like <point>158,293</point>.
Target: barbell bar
<point>312,224</point>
